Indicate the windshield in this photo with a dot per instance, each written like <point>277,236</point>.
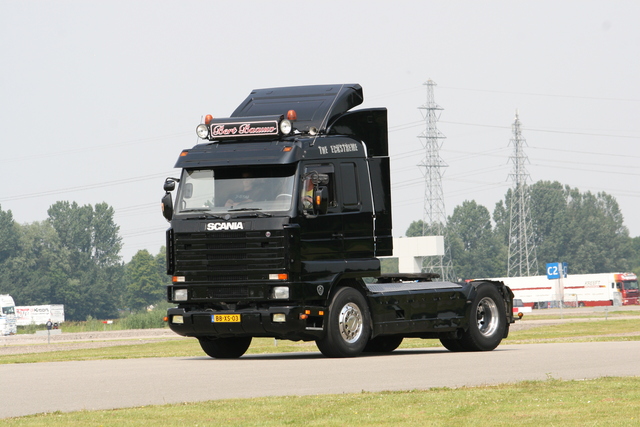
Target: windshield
<point>629,285</point>
<point>229,190</point>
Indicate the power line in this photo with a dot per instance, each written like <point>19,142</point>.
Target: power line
<point>84,187</point>
<point>564,132</point>
<point>92,148</point>
<point>544,94</point>
<point>599,154</point>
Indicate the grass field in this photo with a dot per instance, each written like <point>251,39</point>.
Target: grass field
<point>600,402</point>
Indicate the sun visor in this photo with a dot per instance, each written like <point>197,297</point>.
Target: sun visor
<point>316,106</point>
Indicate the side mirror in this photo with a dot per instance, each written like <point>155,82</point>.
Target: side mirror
<point>167,206</point>
<point>169,185</point>
<point>321,200</point>
<point>321,179</point>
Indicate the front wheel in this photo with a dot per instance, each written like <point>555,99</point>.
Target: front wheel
<point>347,326</point>
<point>487,324</point>
<point>225,348</point>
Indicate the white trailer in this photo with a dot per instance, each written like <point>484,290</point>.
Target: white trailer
<point>578,290</point>
<point>7,315</point>
<point>39,314</point>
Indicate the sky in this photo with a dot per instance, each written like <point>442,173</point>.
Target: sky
<point>98,98</point>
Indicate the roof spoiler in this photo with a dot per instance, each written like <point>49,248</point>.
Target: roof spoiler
<point>316,106</point>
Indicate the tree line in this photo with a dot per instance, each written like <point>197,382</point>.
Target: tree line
<point>585,230</point>
<point>73,258</point>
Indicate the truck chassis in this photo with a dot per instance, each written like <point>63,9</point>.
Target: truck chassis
<point>362,317</point>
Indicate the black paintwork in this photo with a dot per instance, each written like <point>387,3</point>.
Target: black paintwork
<point>227,271</point>
<point>316,106</point>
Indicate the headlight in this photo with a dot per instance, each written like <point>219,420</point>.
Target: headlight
<point>279,317</point>
<point>280,292</point>
<point>202,131</point>
<point>177,319</point>
<point>285,127</point>
<point>179,294</point>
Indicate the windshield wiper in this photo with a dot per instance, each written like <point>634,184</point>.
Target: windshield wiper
<point>244,209</point>
<point>204,215</point>
<point>254,212</point>
<point>255,215</point>
<point>194,210</point>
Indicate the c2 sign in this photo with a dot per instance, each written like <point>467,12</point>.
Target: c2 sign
<point>554,270</point>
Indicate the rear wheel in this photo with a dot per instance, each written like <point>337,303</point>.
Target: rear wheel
<point>347,326</point>
<point>487,325</point>
<point>383,344</point>
<point>451,344</point>
<point>225,348</point>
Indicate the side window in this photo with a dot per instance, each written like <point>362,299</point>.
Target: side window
<point>328,169</point>
<point>350,187</point>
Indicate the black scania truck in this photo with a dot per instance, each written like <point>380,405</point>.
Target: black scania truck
<point>279,218</point>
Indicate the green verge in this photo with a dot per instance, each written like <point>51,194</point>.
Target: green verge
<point>599,402</point>
<point>616,329</point>
<point>619,329</point>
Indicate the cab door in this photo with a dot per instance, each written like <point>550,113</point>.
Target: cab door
<point>321,235</point>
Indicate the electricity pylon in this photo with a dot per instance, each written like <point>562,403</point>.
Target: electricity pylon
<point>522,259</point>
<point>434,218</point>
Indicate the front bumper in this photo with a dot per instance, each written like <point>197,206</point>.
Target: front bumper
<point>300,323</point>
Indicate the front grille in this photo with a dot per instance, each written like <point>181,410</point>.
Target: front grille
<point>229,292</point>
<point>230,256</point>
<point>214,257</point>
<point>240,245</point>
<point>226,278</point>
<point>221,292</point>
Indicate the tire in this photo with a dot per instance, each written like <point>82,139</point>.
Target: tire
<point>383,344</point>
<point>451,344</point>
<point>225,348</point>
<point>487,323</point>
<point>347,326</point>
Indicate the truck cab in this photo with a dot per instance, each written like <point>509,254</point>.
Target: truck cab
<point>627,285</point>
<point>7,315</point>
<point>280,214</point>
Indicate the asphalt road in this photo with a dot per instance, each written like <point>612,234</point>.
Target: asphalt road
<point>104,384</point>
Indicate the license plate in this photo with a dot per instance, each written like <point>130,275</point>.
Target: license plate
<point>225,318</point>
